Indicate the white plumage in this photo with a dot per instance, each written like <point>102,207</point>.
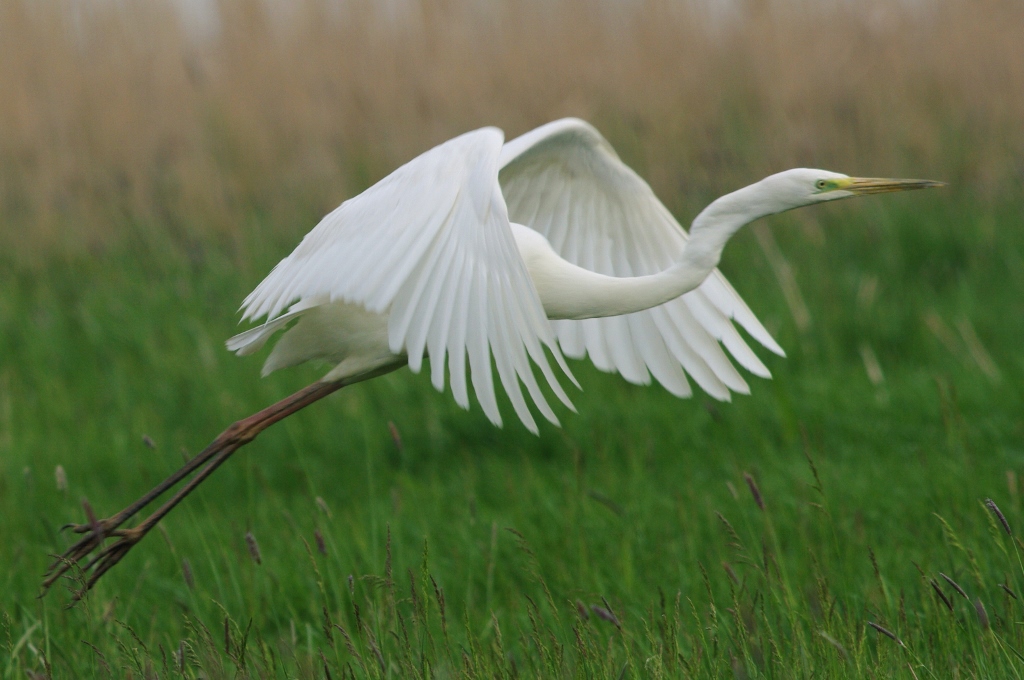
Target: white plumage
<point>565,181</point>
<point>484,250</point>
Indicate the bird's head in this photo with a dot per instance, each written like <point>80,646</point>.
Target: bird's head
<point>716,224</point>
<point>804,186</point>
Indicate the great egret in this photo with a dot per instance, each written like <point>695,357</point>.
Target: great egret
<point>500,251</point>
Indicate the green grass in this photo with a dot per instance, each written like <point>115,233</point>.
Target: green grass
<point>626,544</point>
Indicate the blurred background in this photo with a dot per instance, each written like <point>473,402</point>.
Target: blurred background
<point>158,157</point>
<point>190,115</point>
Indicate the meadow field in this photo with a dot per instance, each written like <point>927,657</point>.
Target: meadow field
<point>857,516</point>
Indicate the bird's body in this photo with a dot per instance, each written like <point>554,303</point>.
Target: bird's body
<point>433,262</point>
<point>354,340</point>
<point>596,252</point>
<point>513,252</point>
<point>351,339</point>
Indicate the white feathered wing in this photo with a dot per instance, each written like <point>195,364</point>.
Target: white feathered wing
<point>431,247</point>
<point>565,181</point>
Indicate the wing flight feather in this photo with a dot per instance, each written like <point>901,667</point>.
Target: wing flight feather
<point>431,246</point>
<point>565,181</point>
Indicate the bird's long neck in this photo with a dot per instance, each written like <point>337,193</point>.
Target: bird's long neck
<point>571,292</point>
<point>718,222</point>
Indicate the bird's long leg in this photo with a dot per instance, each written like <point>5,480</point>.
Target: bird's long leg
<point>229,441</point>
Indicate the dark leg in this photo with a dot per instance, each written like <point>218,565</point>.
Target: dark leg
<point>229,441</point>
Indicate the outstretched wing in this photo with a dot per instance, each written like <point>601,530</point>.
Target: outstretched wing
<point>430,245</point>
<point>565,181</point>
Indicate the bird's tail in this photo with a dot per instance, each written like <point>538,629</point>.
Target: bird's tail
<point>253,339</point>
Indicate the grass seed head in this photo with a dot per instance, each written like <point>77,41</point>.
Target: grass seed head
<point>606,614</point>
<point>942,595</point>
<point>89,514</point>
<point>730,572</point>
<point>186,572</point>
<point>956,586</point>
<point>254,548</point>
<point>887,633</point>
<point>982,614</point>
<point>61,478</point>
<point>737,543</point>
<point>320,545</point>
<point>396,437</point>
<point>754,491</point>
<point>999,515</point>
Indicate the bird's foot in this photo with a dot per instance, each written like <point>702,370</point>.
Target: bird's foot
<point>83,557</point>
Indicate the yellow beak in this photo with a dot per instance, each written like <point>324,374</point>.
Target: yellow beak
<point>873,185</point>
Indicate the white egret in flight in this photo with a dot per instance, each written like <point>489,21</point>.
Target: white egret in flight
<point>482,250</point>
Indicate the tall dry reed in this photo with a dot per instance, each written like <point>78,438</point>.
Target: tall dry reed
<point>116,114</point>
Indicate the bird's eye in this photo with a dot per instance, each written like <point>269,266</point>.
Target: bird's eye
<point>821,184</point>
